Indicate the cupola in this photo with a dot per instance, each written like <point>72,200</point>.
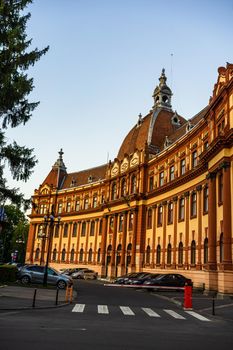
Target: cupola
<point>162,94</point>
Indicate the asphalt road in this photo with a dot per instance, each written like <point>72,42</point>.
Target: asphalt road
<point>113,318</point>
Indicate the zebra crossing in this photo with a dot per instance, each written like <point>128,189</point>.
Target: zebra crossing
<point>127,311</point>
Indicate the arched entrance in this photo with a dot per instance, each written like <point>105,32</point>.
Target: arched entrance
<point>118,257</point>
<point>108,260</point>
<point>128,257</point>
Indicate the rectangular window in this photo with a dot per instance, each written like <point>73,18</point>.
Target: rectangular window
<point>149,218</point>
<point>86,203</point>
<point>92,231</point>
<point>205,199</point>
<point>160,215</point>
<point>100,227</point>
<point>193,204</point>
<point>151,183</point>
<point>68,207</point>
<point>172,173</point>
<point>181,209</point>
<point>59,208</point>
<point>94,202</point>
<point>194,159</point>
<point>220,189</point>
<point>120,228</point>
<point>182,166</point>
<point>170,213</point>
<point>161,178</point>
<point>77,205</point>
<point>131,222</point>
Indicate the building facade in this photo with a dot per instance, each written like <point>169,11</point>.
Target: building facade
<point>163,205</point>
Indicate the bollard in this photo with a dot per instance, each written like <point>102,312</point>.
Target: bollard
<point>188,297</point>
<point>213,306</point>
<point>57,296</point>
<point>69,294</point>
<point>34,298</point>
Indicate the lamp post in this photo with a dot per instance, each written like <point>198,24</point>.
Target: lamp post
<point>49,221</point>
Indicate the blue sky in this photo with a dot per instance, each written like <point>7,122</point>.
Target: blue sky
<point>104,62</point>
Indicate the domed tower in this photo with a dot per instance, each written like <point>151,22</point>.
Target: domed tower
<point>162,93</point>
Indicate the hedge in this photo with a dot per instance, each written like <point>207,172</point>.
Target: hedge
<point>8,273</point>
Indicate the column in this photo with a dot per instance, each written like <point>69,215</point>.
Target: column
<point>113,256</point>
<point>227,245</point>
<point>175,223</point>
<point>212,263</point>
<point>96,237</point>
<point>69,239</point>
<point>103,245</point>
<point>154,207</point>
<point>133,261</point>
<point>199,220</point>
<point>164,233</point>
<point>187,219</point>
<point>60,242</point>
<point>78,240</point>
<point>87,242</point>
<point>123,252</point>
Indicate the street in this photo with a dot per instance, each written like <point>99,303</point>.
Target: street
<point>113,318</point>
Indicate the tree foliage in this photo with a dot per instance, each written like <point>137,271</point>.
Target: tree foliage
<point>15,87</point>
<point>14,234</point>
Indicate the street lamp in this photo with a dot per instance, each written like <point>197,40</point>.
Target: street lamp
<point>49,221</point>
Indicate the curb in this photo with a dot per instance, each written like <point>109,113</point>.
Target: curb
<point>34,308</point>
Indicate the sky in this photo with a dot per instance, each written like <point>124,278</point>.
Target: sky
<point>103,65</point>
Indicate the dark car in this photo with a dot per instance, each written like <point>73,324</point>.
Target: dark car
<point>142,278</point>
<point>125,278</point>
<point>35,274</point>
<point>168,280</point>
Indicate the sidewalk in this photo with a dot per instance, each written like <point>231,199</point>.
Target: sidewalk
<point>18,297</point>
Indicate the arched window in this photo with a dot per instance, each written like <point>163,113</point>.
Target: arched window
<point>90,255</point>
<point>221,248</point>
<point>123,187</point>
<point>169,254</point>
<point>180,254</point>
<point>118,258</point>
<point>158,254</point>
<point>206,250</point>
<point>193,253</point>
<point>37,254</point>
<point>72,255</point>
<point>81,255</point>
<point>63,255</point>
<point>54,256</point>
<point>133,184</point>
<point>129,249</point>
<point>114,191</point>
<point>74,233</point>
<point>98,255</point>
<point>65,233</point>
<point>148,255</point>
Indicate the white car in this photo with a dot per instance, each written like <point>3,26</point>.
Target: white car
<point>85,274</point>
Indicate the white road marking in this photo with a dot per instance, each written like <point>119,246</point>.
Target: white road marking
<point>174,314</point>
<point>103,309</point>
<point>127,311</point>
<point>78,308</point>
<point>198,316</point>
<point>150,312</point>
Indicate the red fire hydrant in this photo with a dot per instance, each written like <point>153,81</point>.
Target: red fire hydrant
<point>188,301</point>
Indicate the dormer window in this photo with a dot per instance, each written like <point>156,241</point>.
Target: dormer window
<point>90,179</point>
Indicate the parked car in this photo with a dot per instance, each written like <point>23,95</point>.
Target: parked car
<point>35,274</point>
<point>85,274</point>
<point>168,280</point>
<point>69,272</point>
<point>142,278</point>
<point>125,278</point>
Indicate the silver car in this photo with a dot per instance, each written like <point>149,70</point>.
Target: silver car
<point>35,274</point>
<point>85,274</point>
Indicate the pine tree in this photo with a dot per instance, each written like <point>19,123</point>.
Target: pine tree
<point>15,87</point>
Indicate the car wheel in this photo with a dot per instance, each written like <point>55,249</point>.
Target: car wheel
<point>61,284</point>
<point>25,280</point>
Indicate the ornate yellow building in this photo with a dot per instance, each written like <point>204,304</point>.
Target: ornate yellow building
<point>163,205</point>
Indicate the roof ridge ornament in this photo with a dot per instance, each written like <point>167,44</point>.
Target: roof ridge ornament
<point>162,94</point>
<point>59,162</point>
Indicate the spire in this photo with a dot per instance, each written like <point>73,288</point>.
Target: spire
<point>162,93</point>
<point>59,164</point>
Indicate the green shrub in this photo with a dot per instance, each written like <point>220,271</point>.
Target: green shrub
<point>8,273</point>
